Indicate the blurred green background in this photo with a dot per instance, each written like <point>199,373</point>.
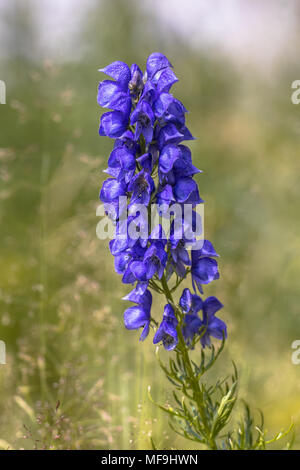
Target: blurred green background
<point>60,300</point>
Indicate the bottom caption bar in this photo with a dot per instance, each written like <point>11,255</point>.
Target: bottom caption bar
<point>130,459</point>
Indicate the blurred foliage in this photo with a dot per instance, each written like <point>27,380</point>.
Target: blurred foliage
<point>75,378</point>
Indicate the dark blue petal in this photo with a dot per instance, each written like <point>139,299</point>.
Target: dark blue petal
<point>165,196</point>
<point>156,62</point>
<point>159,335</point>
<point>191,327</point>
<point>146,300</point>
<point>145,331</point>
<point>183,166</point>
<point>190,303</point>
<point>184,188</point>
<point>185,301</point>
<point>128,277</point>
<point>169,134</point>
<point>119,71</point>
<point>121,262</point>
<point>169,154</point>
<point>135,317</point>
<point>166,79</point>
<point>162,104</point>
<point>186,134</point>
<point>206,270</point>
<point>169,313</point>
<point>217,328</point>
<point>146,162</point>
<point>111,95</point>
<point>118,245</point>
<point>148,133</point>
<point>208,249</point>
<point>113,124</point>
<point>139,270</point>
<point>121,164</point>
<point>137,293</point>
<point>210,306</point>
<point>183,255</point>
<point>112,189</point>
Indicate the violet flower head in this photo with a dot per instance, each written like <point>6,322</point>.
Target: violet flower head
<point>148,164</point>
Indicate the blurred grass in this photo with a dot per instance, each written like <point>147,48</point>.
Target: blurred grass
<point>75,378</point>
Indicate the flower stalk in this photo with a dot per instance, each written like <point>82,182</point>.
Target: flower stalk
<point>149,165</point>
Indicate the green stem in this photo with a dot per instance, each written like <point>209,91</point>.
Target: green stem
<point>194,382</point>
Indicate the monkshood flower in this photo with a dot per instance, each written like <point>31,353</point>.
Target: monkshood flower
<point>139,316</point>
<point>204,266</point>
<point>159,77</point>
<point>191,327</point>
<point>167,332</point>
<point>190,303</point>
<point>127,141</point>
<point>207,327</point>
<point>112,189</point>
<point>115,95</point>
<point>153,262</point>
<point>175,162</point>
<point>110,193</point>
<point>168,109</point>
<point>184,191</point>
<point>179,257</point>
<point>171,134</point>
<point>213,326</point>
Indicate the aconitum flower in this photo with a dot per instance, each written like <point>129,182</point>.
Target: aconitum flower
<point>139,316</point>
<point>191,327</point>
<point>190,303</point>
<point>206,327</point>
<point>150,164</point>
<point>204,267</point>
<point>115,95</point>
<point>168,109</point>
<point>213,326</point>
<point>111,190</point>
<point>154,262</point>
<point>167,332</point>
<point>121,164</point>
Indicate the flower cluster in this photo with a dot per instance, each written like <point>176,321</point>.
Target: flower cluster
<point>149,165</point>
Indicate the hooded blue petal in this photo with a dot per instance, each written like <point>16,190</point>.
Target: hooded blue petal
<point>113,124</point>
<point>156,62</point>
<point>119,71</point>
